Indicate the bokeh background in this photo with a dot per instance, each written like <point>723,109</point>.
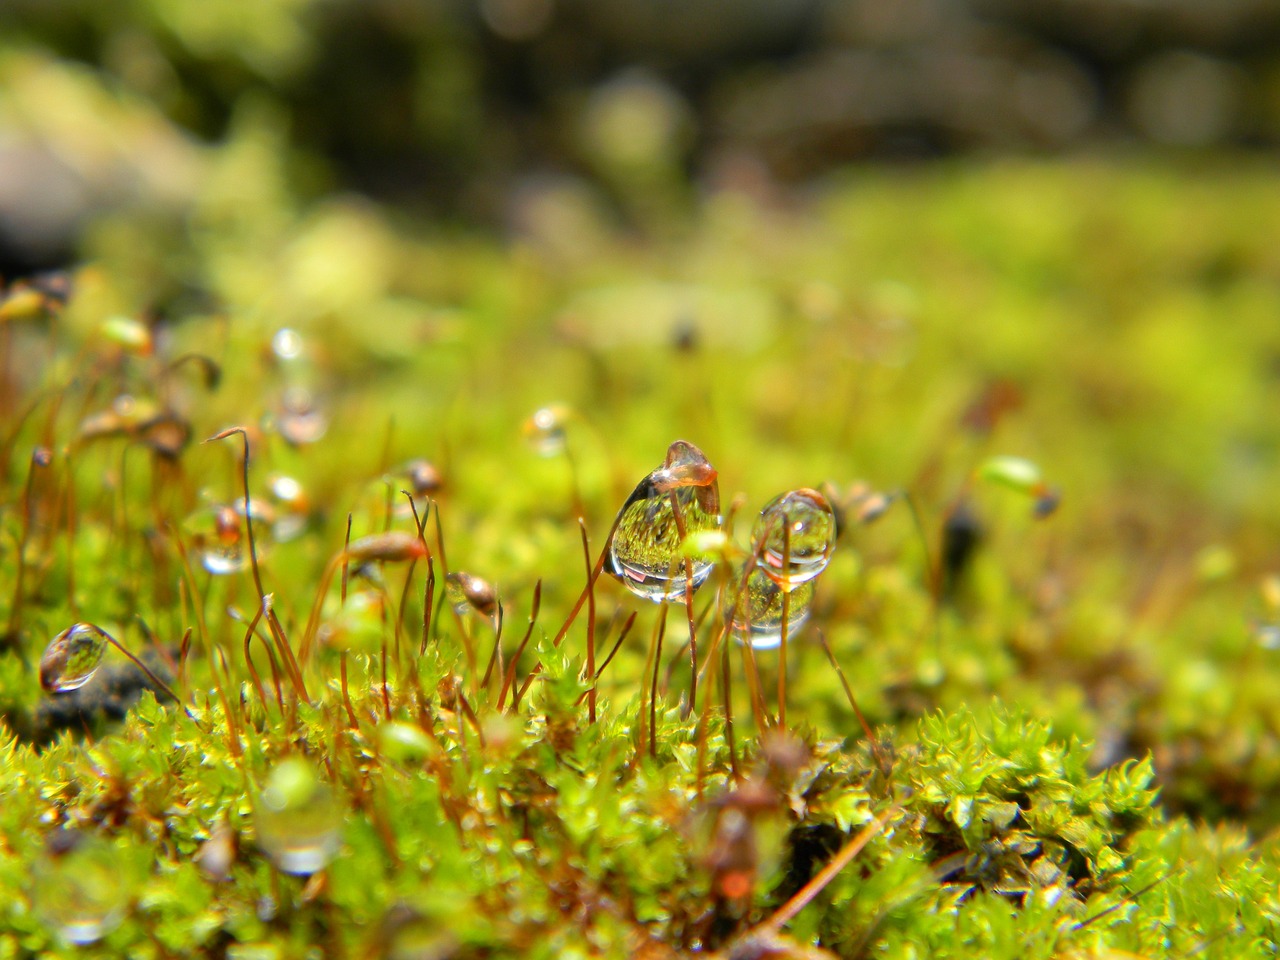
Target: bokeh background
<point>463,110</point>
<point>830,240</point>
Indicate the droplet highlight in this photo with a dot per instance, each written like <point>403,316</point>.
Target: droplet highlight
<point>758,615</point>
<point>72,658</point>
<point>794,537</point>
<point>545,430</point>
<point>297,817</point>
<point>79,889</point>
<point>678,500</point>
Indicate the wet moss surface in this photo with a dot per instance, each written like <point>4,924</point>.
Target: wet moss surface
<point>1037,396</point>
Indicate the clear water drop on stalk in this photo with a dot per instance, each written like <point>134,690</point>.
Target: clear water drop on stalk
<point>72,658</point>
<point>545,430</point>
<point>297,817</point>
<point>757,615</point>
<point>678,500</point>
<point>794,537</point>
<point>78,887</point>
<point>223,549</point>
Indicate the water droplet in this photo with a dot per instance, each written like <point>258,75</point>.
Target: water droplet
<point>299,420</point>
<point>465,591</point>
<point>757,617</point>
<point>287,344</point>
<point>678,499</point>
<point>72,658</point>
<point>292,508</point>
<point>795,536</point>
<point>297,817</point>
<point>78,887</point>
<point>224,550</point>
<point>545,430</point>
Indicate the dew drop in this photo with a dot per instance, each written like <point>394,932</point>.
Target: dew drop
<point>297,817</point>
<point>545,430</point>
<point>679,499</point>
<point>757,617</point>
<point>72,658</point>
<point>78,888</point>
<point>298,419</point>
<point>291,505</point>
<point>287,344</point>
<point>224,551</point>
<point>794,537</point>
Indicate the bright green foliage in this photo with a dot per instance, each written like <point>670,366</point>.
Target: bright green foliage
<point>1118,796</point>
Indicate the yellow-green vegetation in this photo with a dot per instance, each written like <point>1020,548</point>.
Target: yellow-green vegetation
<point>1038,395</point>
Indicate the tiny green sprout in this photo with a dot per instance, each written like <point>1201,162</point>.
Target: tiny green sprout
<point>1025,477</point>
<point>133,336</point>
<point>1015,473</point>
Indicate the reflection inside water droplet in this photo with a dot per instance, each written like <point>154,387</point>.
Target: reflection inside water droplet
<point>81,893</point>
<point>795,536</point>
<point>72,658</point>
<point>679,499</point>
<point>757,617</point>
<point>545,430</point>
<point>287,344</point>
<point>297,817</point>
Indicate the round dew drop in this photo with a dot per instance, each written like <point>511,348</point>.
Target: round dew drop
<point>297,818</point>
<point>794,537</point>
<point>81,894</point>
<point>758,614</point>
<point>678,500</point>
<point>72,658</point>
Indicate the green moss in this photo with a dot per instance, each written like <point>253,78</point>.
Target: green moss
<point>1076,734</point>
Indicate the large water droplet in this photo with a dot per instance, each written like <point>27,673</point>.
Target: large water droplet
<point>72,658</point>
<point>794,537</point>
<point>79,889</point>
<point>297,817</point>
<point>679,499</point>
<point>757,617</point>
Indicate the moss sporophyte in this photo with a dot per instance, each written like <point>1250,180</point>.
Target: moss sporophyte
<point>402,691</point>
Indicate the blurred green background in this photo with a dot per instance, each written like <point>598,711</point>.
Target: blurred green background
<point>828,241</point>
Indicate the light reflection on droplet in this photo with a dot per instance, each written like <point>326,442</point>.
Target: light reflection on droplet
<point>79,889</point>
<point>297,817</point>
<point>287,344</point>
<point>72,657</point>
<point>794,537</point>
<point>678,499</point>
<point>757,617</point>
